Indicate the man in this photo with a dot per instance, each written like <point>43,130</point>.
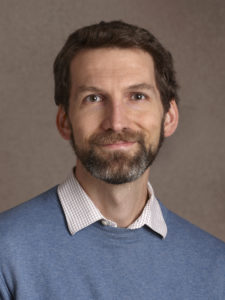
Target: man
<point>102,234</point>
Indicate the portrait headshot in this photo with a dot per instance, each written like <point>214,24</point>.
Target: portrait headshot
<point>112,157</point>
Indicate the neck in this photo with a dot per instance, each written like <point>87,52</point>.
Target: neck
<point>120,203</point>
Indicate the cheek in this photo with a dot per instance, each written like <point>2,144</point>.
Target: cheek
<point>82,128</point>
<point>152,130</point>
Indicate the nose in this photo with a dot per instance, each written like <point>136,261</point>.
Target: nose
<point>116,117</point>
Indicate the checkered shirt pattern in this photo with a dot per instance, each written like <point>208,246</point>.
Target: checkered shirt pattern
<point>81,212</point>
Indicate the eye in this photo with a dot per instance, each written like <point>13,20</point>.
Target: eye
<point>93,98</point>
<point>138,96</point>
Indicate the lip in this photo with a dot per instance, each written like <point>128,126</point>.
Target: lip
<point>119,145</point>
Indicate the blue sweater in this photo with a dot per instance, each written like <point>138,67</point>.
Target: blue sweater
<point>41,260</point>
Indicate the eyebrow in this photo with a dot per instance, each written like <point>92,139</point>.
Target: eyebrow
<point>140,86</point>
<point>84,88</point>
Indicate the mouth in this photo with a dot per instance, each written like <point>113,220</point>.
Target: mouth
<point>120,145</point>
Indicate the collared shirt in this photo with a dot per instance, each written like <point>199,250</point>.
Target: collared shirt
<point>81,212</point>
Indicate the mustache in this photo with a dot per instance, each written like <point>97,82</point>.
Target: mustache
<point>112,137</point>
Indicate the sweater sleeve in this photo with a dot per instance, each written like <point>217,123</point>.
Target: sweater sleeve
<point>4,292</point>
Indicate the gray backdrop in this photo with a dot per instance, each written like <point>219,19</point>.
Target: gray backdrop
<point>188,175</point>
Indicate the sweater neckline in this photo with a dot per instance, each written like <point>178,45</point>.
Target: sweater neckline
<point>122,233</point>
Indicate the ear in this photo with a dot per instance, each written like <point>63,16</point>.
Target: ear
<point>63,124</point>
<point>171,119</point>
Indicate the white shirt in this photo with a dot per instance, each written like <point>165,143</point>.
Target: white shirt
<point>81,212</point>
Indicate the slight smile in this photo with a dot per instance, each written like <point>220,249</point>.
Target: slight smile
<point>118,145</point>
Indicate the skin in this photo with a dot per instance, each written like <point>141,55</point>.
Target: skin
<point>116,77</point>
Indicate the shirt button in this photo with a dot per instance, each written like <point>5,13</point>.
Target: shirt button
<point>104,222</point>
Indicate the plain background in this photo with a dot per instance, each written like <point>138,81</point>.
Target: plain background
<point>189,174</point>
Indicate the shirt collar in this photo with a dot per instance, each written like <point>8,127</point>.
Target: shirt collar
<point>81,212</point>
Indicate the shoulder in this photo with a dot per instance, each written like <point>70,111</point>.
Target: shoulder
<point>194,255</point>
<point>31,206</point>
<point>16,222</point>
<point>185,234</point>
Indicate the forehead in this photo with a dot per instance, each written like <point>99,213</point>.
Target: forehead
<point>128,66</point>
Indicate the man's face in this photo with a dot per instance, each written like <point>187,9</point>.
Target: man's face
<point>115,113</point>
